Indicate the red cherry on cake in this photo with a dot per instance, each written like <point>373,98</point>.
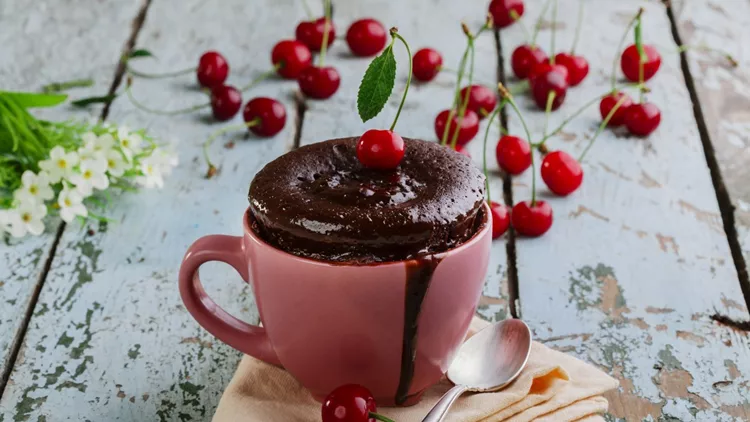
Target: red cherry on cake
<point>642,119</point>
<point>577,66</point>
<point>311,33</point>
<point>212,70</point>
<point>482,100</point>
<point>630,63</point>
<point>468,129</point>
<point>608,102</point>
<point>380,149</point>
<point>505,12</point>
<point>524,58</point>
<point>561,173</point>
<point>426,64</point>
<point>542,84</point>
<point>349,403</point>
<point>292,57</point>
<point>500,219</point>
<point>268,114</point>
<point>226,101</point>
<point>366,37</point>
<point>513,154</point>
<point>319,82</point>
<point>531,220</point>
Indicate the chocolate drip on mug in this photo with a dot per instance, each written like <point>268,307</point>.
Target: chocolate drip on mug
<point>419,273</point>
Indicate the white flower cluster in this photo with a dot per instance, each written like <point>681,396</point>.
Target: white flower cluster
<point>67,178</point>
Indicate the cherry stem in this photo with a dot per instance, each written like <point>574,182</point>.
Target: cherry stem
<point>554,26</point>
<point>516,18</point>
<point>618,52</point>
<point>326,28</point>
<point>395,34</point>
<point>602,126</point>
<point>379,417</point>
<point>579,25</point>
<point>64,86</point>
<point>456,96</point>
<point>308,11</point>
<point>465,102</point>
<point>538,25</point>
<point>260,78</point>
<point>507,96</point>
<point>139,105</point>
<point>484,146</point>
<point>548,109</point>
<point>211,168</point>
<point>145,75</point>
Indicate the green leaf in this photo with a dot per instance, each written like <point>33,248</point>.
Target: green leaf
<point>83,102</point>
<point>377,85</point>
<point>32,99</point>
<point>139,53</point>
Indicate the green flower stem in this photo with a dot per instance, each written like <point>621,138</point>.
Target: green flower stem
<point>579,25</point>
<point>212,138</point>
<point>145,75</point>
<point>553,31</point>
<point>139,105</point>
<point>326,29</point>
<point>602,127</point>
<point>618,51</point>
<point>263,76</point>
<point>484,146</point>
<point>64,86</point>
<point>380,417</point>
<point>395,34</point>
<point>538,25</point>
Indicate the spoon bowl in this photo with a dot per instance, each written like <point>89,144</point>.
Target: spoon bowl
<point>488,361</point>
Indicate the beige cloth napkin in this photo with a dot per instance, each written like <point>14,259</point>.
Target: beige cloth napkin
<point>553,387</point>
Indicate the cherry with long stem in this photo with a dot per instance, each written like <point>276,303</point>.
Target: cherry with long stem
<point>619,48</point>
<point>643,58</point>
<point>211,168</point>
<point>552,41</point>
<point>484,146</point>
<point>602,126</point>
<point>260,78</point>
<point>395,34</point>
<point>465,102</point>
<point>326,30</point>
<point>509,98</point>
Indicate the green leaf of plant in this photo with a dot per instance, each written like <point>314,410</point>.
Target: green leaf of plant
<point>32,99</point>
<point>140,53</point>
<point>377,85</point>
<point>83,102</point>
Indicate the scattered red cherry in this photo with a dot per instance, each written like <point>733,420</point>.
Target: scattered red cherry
<point>319,82</point>
<point>608,103</point>
<point>467,131</point>
<point>552,80</point>
<point>366,37</point>
<point>349,403</point>
<point>561,173</point>
<point>544,67</point>
<point>578,67</point>
<point>531,220</point>
<point>292,57</point>
<point>380,149</point>
<point>311,33</point>
<point>213,69</point>
<point>501,12</point>
<point>426,64</point>
<point>269,113</point>
<point>500,219</point>
<point>630,63</point>
<point>642,119</point>
<point>226,101</point>
<point>513,154</point>
<point>482,100</point>
<point>524,58</point>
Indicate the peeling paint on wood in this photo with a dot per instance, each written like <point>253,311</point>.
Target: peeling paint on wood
<point>633,280</point>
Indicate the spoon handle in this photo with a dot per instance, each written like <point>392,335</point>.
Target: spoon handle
<point>440,409</point>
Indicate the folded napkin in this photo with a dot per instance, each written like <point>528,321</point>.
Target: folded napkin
<point>553,387</point>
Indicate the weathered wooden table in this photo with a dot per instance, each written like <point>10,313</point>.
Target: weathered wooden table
<point>638,267</point>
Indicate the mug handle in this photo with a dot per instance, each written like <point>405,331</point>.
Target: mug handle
<point>249,339</point>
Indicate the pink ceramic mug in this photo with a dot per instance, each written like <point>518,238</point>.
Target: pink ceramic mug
<point>393,327</point>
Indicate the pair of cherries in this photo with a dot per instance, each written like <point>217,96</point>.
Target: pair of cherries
<point>481,102</point>
<point>531,220</point>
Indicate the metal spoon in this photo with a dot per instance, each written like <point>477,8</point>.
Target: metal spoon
<point>488,361</point>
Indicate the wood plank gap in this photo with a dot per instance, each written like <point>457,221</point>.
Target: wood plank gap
<point>21,333</point>
<point>510,245</point>
<point>722,194</point>
<point>299,118</point>
<point>138,21</point>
